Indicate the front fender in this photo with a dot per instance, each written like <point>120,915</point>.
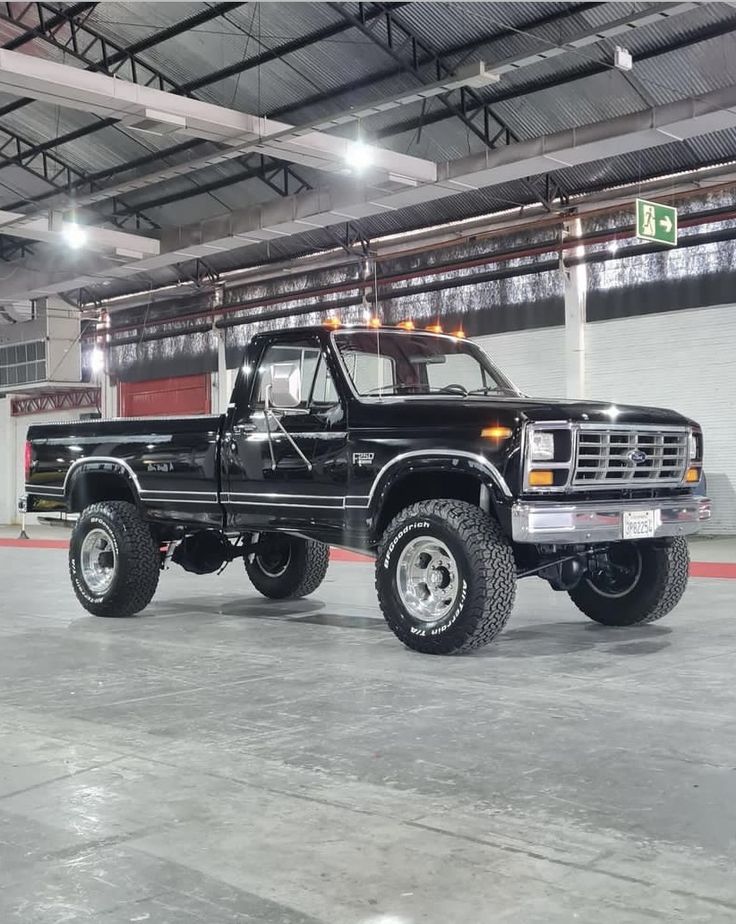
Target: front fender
<point>434,460</point>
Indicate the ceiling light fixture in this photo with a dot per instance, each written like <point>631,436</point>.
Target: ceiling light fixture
<point>359,156</point>
<point>74,235</point>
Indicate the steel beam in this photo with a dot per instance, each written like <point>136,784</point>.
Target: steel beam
<point>461,49</point>
<point>292,216</point>
<point>408,50</point>
<point>56,18</point>
<point>66,400</point>
<point>100,54</point>
<point>588,70</point>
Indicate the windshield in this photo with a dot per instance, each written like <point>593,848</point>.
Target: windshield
<point>381,362</point>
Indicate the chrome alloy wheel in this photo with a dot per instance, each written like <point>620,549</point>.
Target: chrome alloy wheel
<point>427,579</point>
<point>98,561</point>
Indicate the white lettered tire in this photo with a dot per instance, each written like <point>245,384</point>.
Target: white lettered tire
<point>445,577</point>
<point>114,562</point>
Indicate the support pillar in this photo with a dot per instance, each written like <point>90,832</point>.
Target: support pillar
<point>8,463</point>
<point>576,289</point>
<point>223,392</point>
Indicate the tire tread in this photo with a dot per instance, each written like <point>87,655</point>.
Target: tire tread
<point>136,590</point>
<point>312,558</point>
<point>490,552</point>
<point>667,582</point>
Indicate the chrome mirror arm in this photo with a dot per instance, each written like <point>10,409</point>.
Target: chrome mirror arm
<point>268,411</point>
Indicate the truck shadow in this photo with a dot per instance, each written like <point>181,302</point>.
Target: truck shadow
<point>542,639</point>
<point>560,638</point>
<point>300,611</point>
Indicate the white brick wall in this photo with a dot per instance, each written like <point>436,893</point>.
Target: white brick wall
<point>12,455</point>
<point>683,360</point>
<point>534,360</point>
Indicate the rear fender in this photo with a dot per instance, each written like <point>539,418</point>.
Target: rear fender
<point>99,478</point>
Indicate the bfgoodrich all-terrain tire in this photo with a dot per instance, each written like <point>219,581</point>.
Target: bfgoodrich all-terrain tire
<point>650,580</point>
<point>445,577</point>
<point>287,567</point>
<point>113,560</point>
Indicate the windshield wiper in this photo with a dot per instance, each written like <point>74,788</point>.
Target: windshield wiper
<point>422,389</point>
<point>486,390</point>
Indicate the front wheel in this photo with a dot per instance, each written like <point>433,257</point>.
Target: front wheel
<point>114,562</point>
<point>634,583</point>
<point>286,567</point>
<point>445,577</point>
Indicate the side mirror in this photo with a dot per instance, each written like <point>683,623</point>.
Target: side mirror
<point>285,389</point>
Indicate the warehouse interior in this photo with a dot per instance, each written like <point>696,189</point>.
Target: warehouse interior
<point>179,178</point>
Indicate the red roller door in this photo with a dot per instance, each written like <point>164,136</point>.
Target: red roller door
<point>186,394</point>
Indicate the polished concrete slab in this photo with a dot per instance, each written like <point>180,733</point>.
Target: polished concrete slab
<point>222,758</point>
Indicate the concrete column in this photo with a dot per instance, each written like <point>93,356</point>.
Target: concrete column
<point>223,392</point>
<point>108,395</point>
<point>8,466</point>
<point>576,290</point>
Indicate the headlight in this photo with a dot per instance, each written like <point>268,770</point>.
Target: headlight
<point>543,446</point>
<point>693,441</point>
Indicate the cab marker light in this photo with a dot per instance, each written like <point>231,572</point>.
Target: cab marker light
<point>496,433</point>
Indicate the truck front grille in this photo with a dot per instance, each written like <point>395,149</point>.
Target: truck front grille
<point>619,456</point>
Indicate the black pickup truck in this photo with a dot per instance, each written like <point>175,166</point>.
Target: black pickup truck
<point>407,444</point>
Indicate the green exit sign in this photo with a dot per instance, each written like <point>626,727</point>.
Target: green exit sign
<point>656,222</point>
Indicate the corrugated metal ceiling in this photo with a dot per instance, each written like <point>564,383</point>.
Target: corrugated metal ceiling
<point>464,31</point>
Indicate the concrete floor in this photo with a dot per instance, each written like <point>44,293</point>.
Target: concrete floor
<point>226,759</point>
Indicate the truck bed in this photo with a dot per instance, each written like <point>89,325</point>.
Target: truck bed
<point>169,462</point>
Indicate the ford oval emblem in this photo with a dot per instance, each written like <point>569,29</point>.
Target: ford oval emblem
<point>637,456</point>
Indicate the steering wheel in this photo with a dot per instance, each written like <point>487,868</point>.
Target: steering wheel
<point>454,389</point>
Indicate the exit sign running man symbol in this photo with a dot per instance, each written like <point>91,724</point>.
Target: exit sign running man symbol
<point>656,222</point>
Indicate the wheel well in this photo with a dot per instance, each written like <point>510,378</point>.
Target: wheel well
<point>419,486</point>
<point>93,487</point>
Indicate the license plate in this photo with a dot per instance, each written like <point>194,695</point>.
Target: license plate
<point>638,524</point>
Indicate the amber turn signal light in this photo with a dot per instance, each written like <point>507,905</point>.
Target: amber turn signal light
<point>460,334</point>
<point>496,433</point>
<point>693,475</point>
<point>406,325</point>
<point>375,322</point>
<point>435,328</point>
<point>541,478</point>
<point>332,323</point>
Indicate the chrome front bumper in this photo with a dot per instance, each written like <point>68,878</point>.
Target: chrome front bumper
<point>552,522</point>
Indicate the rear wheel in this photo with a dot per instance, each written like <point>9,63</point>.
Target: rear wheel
<point>634,583</point>
<point>114,562</point>
<point>445,577</point>
<point>287,566</point>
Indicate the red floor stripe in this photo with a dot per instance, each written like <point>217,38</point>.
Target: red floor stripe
<point>34,543</point>
<point>698,569</point>
<point>344,555</point>
<point>713,569</point>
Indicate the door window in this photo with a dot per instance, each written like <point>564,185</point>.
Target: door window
<point>317,385</point>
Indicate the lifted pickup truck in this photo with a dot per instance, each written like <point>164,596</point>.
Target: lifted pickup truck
<point>411,445</point>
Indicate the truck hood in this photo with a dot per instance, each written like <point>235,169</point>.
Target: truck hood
<point>449,411</point>
<point>578,410</point>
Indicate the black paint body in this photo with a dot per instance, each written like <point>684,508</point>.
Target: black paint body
<point>367,457</point>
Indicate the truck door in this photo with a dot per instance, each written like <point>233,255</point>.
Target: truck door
<point>285,456</point>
